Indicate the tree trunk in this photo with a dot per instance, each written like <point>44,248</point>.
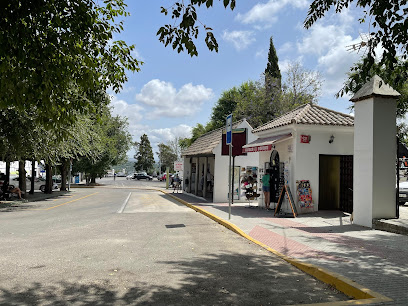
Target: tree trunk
<point>48,179</point>
<point>63,169</point>
<point>93,179</point>
<point>33,176</point>
<point>7,180</point>
<point>22,177</point>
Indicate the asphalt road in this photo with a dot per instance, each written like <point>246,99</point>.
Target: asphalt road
<point>127,246</point>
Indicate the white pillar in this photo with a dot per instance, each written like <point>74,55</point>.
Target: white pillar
<point>374,152</point>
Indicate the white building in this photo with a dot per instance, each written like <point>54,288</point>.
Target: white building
<point>313,146</point>
<point>205,155</point>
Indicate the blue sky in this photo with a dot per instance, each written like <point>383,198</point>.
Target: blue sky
<point>173,92</point>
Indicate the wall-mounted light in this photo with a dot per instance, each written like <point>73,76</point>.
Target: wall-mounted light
<point>331,139</point>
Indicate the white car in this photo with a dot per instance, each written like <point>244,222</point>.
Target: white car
<point>403,192</point>
<point>130,176</point>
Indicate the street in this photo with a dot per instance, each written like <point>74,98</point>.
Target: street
<point>122,244</point>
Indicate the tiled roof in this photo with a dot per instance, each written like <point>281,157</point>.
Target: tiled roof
<point>205,144</point>
<point>310,114</point>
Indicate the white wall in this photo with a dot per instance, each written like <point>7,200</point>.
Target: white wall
<point>307,154</point>
<point>222,164</point>
<point>374,160</point>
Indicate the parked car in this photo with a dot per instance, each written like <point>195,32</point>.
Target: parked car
<point>403,192</point>
<point>130,176</point>
<point>142,176</point>
<point>54,186</point>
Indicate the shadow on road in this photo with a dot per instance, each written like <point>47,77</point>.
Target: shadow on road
<point>211,279</point>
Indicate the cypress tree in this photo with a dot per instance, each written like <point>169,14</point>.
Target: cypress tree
<point>272,72</point>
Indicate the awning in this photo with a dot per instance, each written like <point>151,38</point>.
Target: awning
<point>264,144</point>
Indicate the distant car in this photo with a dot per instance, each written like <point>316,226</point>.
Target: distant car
<point>142,176</point>
<point>403,192</point>
<point>54,186</point>
<point>130,176</point>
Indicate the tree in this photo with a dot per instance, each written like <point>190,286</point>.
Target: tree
<point>111,140</point>
<point>300,86</point>
<point>183,29</point>
<point>389,24</point>
<point>225,105</point>
<point>167,157</point>
<point>272,72</point>
<point>256,103</point>
<point>50,46</point>
<point>356,80</point>
<point>144,154</point>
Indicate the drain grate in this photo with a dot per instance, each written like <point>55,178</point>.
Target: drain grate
<point>174,225</point>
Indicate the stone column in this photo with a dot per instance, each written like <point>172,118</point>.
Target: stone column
<point>374,152</point>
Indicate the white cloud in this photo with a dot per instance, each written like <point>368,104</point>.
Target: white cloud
<point>167,101</point>
<point>168,134</point>
<point>267,12</point>
<point>240,39</point>
<point>329,44</point>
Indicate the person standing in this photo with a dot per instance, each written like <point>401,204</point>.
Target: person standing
<point>266,188</point>
<point>209,180</point>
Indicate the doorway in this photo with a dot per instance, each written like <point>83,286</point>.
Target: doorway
<point>336,182</point>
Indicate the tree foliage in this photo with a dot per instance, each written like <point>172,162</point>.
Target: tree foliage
<point>225,105</point>
<point>110,140</point>
<point>167,157</point>
<point>272,72</point>
<point>300,86</point>
<point>388,26</point>
<point>356,80</point>
<point>183,30</point>
<point>50,46</point>
<point>144,154</point>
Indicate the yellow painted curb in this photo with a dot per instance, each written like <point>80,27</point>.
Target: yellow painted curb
<point>349,287</point>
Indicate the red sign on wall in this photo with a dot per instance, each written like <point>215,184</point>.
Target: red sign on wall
<point>304,138</point>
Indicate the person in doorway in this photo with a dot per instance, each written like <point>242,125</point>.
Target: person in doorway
<point>266,188</point>
<point>209,180</point>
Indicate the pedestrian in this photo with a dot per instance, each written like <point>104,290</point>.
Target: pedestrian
<point>114,177</point>
<point>266,188</point>
<point>176,183</point>
<point>209,180</point>
<point>15,190</point>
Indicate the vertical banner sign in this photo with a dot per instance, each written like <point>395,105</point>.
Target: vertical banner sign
<point>228,128</point>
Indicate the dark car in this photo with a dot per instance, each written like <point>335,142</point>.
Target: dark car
<point>142,176</point>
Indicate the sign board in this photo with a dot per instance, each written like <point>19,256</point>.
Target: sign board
<point>238,139</point>
<point>304,138</point>
<point>257,148</point>
<point>228,128</point>
<point>178,165</point>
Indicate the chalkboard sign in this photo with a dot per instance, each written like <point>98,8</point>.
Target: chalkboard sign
<point>286,190</point>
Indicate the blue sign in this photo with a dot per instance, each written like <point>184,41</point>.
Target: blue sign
<point>228,128</point>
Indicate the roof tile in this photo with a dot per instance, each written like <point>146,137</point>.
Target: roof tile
<point>311,114</point>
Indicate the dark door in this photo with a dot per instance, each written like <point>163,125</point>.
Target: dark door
<point>329,182</point>
<point>346,183</point>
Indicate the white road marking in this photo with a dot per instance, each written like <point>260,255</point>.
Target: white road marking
<point>124,204</point>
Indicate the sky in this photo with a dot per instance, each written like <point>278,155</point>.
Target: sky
<point>173,91</point>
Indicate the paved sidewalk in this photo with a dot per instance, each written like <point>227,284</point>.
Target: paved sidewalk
<point>377,260</point>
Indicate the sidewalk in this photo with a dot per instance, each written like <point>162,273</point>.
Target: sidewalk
<point>376,260</point>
